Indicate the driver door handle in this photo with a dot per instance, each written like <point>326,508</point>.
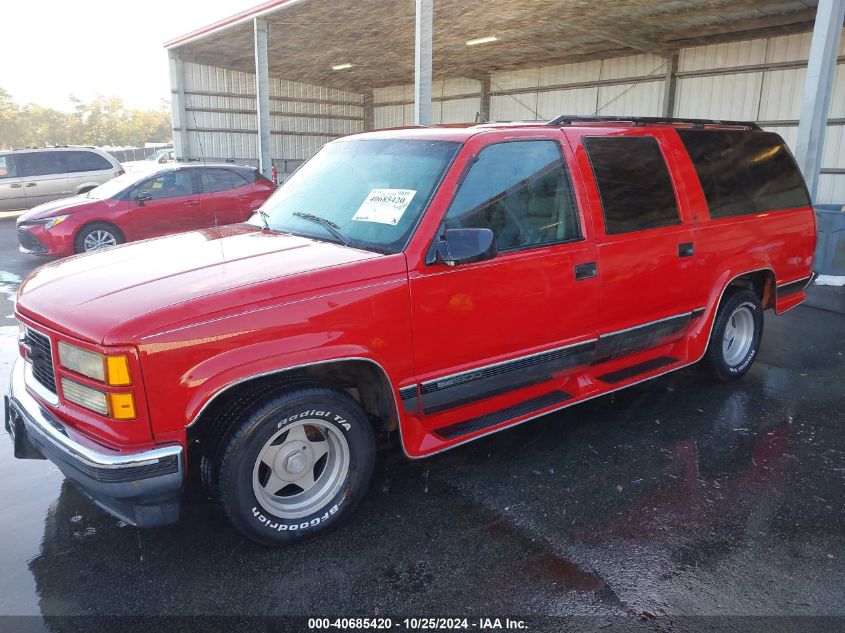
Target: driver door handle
<point>585,271</point>
<point>32,184</point>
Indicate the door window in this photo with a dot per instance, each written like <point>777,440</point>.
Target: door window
<point>522,192</point>
<point>214,180</point>
<point>170,184</point>
<point>634,183</point>
<point>39,164</point>
<point>85,161</point>
<point>8,169</point>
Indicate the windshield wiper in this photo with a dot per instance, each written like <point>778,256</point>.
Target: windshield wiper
<point>265,218</point>
<point>330,226</point>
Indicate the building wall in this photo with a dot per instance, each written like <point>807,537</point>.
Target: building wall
<point>220,113</point>
<point>757,80</point>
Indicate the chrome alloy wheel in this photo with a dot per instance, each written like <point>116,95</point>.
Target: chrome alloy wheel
<point>98,239</point>
<point>300,469</point>
<point>739,336</point>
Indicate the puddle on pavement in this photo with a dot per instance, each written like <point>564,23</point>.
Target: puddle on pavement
<point>37,484</point>
<point>9,283</point>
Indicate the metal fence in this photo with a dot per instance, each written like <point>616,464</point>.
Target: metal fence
<point>135,153</point>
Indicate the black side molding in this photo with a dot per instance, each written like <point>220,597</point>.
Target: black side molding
<point>635,370</point>
<point>502,415</point>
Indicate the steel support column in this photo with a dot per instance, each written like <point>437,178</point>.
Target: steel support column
<point>668,107</point>
<point>818,90</point>
<point>262,97</point>
<point>178,111</point>
<point>484,112</point>
<point>422,63</point>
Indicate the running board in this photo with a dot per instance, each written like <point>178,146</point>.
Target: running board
<point>466,427</point>
<point>645,367</point>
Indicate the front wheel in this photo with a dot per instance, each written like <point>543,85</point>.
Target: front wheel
<point>97,236</point>
<point>735,340</point>
<point>296,466</point>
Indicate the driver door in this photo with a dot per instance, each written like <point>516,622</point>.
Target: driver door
<point>173,205</point>
<point>495,327</point>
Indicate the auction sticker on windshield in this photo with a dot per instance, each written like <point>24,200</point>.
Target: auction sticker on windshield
<point>385,206</point>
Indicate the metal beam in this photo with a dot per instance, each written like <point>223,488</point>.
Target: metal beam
<point>422,62</point>
<point>484,112</point>
<point>262,97</point>
<point>818,90</point>
<point>178,105</point>
<point>668,107</point>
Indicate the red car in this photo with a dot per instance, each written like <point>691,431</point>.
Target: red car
<point>443,283</point>
<point>135,207</point>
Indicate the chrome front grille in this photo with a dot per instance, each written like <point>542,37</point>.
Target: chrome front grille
<point>40,354</point>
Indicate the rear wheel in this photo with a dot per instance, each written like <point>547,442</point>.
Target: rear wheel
<point>296,465</point>
<point>97,236</point>
<point>737,331</point>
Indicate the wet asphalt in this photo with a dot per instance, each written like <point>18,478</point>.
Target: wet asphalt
<point>677,498</point>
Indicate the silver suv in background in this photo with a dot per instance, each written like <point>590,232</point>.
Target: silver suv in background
<point>29,177</point>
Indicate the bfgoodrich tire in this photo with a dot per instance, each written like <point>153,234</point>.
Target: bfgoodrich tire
<point>296,466</point>
<point>735,340</point>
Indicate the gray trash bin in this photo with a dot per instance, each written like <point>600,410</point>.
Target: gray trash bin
<point>830,244</point>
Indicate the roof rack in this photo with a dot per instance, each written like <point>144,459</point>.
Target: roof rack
<point>569,119</point>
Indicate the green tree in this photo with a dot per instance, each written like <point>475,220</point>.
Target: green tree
<point>102,121</point>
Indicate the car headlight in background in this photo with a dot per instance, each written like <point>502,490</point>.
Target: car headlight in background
<point>112,370</point>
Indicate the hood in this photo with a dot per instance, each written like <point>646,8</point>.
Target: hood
<point>58,207</point>
<point>115,296</point>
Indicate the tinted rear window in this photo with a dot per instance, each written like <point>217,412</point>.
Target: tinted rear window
<point>745,172</point>
<point>634,184</point>
<point>85,161</point>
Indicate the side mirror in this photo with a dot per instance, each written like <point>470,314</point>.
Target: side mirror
<point>162,160</point>
<point>142,197</point>
<point>454,247</point>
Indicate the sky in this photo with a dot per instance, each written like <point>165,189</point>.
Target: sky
<point>57,48</point>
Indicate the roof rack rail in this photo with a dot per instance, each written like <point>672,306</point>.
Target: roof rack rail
<point>568,119</point>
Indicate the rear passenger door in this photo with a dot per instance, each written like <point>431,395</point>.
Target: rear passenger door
<point>173,205</point>
<point>495,327</point>
<point>44,176</point>
<point>647,266</point>
<point>226,197</point>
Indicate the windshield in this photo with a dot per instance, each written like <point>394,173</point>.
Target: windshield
<point>371,191</point>
<point>158,154</point>
<point>113,187</point>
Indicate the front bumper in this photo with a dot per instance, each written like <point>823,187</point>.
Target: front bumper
<point>143,488</point>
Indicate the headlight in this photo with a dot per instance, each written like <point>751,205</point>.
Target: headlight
<point>51,222</point>
<point>112,370</point>
<point>119,406</point>
<point>85,396</point>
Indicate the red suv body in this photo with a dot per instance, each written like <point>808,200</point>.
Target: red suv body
<point>445,283</point>
<point>134,207</point>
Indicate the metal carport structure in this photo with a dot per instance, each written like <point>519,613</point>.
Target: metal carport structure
<point>274,83</point>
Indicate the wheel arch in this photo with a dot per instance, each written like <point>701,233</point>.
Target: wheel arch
<point>365,380</point>
<point>89,223</point>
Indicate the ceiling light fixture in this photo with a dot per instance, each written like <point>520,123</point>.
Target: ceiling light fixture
<point>482,40</point>
<point>341,66</point>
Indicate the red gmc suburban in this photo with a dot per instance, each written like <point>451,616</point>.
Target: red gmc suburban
<point>443,282</point>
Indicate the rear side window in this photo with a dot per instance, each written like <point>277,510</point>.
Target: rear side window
<point>39,164</point>
<point>745,172</point>
<point>220,180</point>
<point>634,183</point>
<point>8,169</point>
<point>522,192</point>
<point>85,161</point>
